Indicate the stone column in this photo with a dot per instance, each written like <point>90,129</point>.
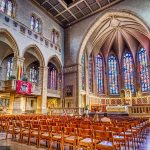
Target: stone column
<point>39,105</point>
<point>43,76</point>
<point>17,61</point>
<point>11,102</point>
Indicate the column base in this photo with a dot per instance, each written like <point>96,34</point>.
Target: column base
<point>41,111</point>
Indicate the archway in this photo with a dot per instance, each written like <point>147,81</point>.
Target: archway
<point>115,32</point>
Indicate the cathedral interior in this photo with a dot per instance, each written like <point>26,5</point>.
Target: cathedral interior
<point>74,74</point>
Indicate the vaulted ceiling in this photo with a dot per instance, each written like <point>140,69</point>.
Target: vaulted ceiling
<point>68,12</point>
<point>118,32</point>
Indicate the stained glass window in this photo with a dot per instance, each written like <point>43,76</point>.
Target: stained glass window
<point>113,75</point>
<point>9,67</point>
<point>35,24</point>
<point>91,73</point>
<point>128,72</point>
<point>83,71</point>
<point>34,72</point>
<point>55,36</point>
<point>52,77</point>
<point>143,68</point>
<point>6,6</point>
<point>99,74</point>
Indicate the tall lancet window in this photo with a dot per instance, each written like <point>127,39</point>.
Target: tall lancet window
<point>35,24</point>
<point>34,72</point>
<point>143,68</point>
<point>99,74</point>
<point>52,77</point>
<point>83,71</point>
<point>7,7</point>
<point>128,71</point>
<point>9,67</point>
<point>113,75</point>
<point>91,73</point>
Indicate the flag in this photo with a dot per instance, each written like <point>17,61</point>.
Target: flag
<point>18,76</point>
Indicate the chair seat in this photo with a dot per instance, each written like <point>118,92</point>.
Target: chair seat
<point>129,130</point>
<point>25,131</point>
<point>126,133</point>
<point>17,130</point>
<point>45,134</point>
<point>87,140</point>
<point>118,137</point>
<point>35,132</point>
<point>106,143</point>
<point>57,137</point>
<point>70,138</point>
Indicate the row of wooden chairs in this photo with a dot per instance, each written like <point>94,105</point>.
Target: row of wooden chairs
<point>76,131</point>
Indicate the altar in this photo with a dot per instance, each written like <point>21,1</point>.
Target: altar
<point>117,109</point>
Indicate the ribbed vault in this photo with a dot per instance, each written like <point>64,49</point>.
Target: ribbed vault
<point>116,33</point>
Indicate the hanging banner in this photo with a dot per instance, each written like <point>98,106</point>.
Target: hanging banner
<point>23,87</point>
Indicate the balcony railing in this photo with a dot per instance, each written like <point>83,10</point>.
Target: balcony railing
<point>36,89</point>
<point>9,85</point>
<point>54,93</point>
<point>139,110</point>
<point>27,32</point>
<point>68,111</point>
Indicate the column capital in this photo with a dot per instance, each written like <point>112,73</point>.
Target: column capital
<point>43,68</point>
<point>19,58</point>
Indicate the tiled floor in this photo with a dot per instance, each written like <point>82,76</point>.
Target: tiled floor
<point>12,145</point>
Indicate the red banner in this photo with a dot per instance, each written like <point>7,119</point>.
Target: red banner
<point>23,87</point>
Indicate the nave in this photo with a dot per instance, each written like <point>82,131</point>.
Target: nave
<point>73,132</point>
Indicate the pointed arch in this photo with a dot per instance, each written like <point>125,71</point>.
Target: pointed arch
<point>99,23</point>
<point>6,37</point>
<point>35,51</point>
<point>56,61</point>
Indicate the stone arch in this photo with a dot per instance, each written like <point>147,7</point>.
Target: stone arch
<point>54,59</point>
<point>98,21</point>
<point>35,52</point>
<point>6,37</point>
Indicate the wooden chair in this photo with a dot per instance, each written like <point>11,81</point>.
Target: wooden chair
<point>119,136</point>
<point>34,133</point>
<point>70,136</point>
<point>56,136</point>
<point>85,138</point>
<point>25,132</point>
<point>104,140</point>
<point>45,134</point>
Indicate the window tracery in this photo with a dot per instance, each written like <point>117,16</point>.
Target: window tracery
<point>52,77</point>
<point>35,24</point>
<point>144,71</point>
<point>128,72</point>
<point>7,7</point>
<point>99,74</point>
<point>113,75</point>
